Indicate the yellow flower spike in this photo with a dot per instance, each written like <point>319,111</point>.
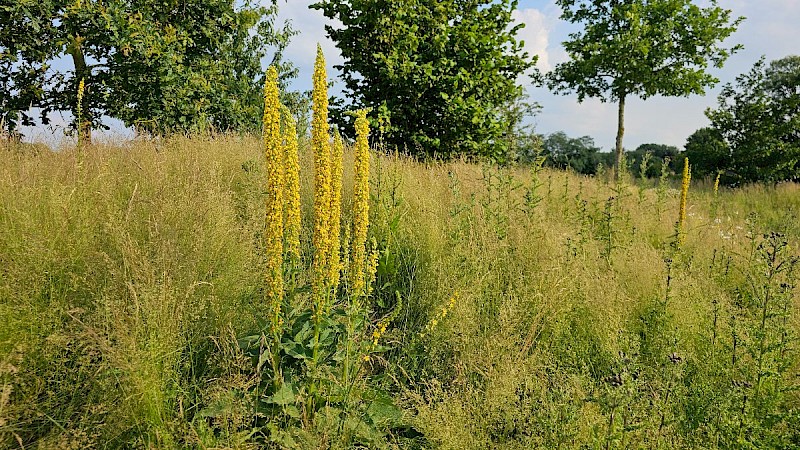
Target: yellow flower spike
<point>79,125</point>
<point>322,179</point>
<point>687,178</point>
<point>716,184</point>
<point>273,235</point>
<point>372,268</point>
<point>360,204</point>
<point>293,223</point>
<point>337,151</point>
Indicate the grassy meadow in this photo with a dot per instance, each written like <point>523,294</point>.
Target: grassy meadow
<point>512,308</point>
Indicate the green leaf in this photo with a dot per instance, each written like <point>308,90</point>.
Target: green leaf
<point>285,395</point>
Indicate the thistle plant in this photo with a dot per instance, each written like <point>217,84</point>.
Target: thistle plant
<point>273,235</point>
<point>360,205</point>
<point>292,192</point>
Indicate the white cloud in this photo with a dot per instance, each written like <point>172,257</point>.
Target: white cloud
<point>535,34</point>
<point>302,49</point>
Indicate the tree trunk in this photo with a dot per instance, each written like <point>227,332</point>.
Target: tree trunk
<point>81,73</point>
<point>620,133</point>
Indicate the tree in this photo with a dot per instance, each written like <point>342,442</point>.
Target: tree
<point>658,153</point>
<point>708,151</point>
<point>579,154</point>
<point>641,48</point>
<point>23,61</point>
<point>759,119</point>
<point>437,74</point>
<point>160,66</point>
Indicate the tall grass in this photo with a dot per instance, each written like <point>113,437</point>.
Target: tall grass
<point>128,281</point>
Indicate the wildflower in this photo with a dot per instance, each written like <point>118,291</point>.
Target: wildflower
<point>441,315</point>
<point>716,184</point>
<point>383,325</point>
<point>336,210</point>
<point>292,189</point>
<point>372,267</point>
<point>322,176</point>
<point>687,177</point>
<point>79,120</point>
<point>360,204</point>
<point>274,208</point>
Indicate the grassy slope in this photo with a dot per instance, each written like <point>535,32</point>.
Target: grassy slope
<point>125,271</point>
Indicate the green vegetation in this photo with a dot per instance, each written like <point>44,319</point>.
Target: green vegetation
<point>160,67</point>
<point>207,290</point>
<point>641,48</point>
<point>578,154</point>
<point>707,150</point>
<point>539,310</point>
<point>440,76</point>
<point>759,120</point>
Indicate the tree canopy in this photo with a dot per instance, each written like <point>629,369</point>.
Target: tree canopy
<point>759,120</point>
<point>158,66</point>
<point>708,151</point>
<point>437,74</point>
<point>641,48</point>
<point>658,154</point>
<point>579,154</point>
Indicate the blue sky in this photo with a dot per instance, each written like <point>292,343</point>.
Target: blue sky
<point>770,28</point>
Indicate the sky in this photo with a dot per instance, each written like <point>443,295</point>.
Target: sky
<point>770,29</point>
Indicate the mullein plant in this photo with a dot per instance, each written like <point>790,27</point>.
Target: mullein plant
<point>358,255</point>
<point>322,238</point>
<point>273,236</point>
<point>273,229</point>
<point>715,199</point>
<point>292,192</point>
<point>334,264</point>
<point>320,144</point>
<point>304,345</point>
<point>680,227</point>
<point>79,125</point>
<point>360,206</point>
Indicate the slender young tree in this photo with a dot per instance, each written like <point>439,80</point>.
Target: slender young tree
<point>641,48</point>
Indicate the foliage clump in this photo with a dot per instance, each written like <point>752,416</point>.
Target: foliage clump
<point>439,76</point>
